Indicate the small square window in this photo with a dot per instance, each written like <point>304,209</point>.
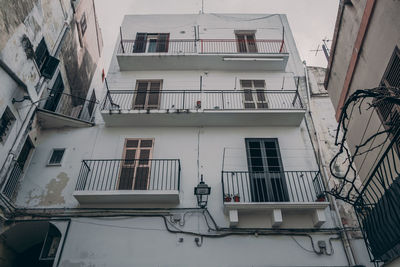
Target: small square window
<point>56,156</point>
<point>6,123</point>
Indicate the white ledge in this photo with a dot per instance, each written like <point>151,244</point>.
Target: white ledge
<point>127,196</point>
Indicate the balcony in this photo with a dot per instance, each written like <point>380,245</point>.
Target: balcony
<point>211,54</point>
<point>275,192</point>
<point>378,205</point>
<point>202,107</point>
<point>118,181</point>
<point>65,110</point>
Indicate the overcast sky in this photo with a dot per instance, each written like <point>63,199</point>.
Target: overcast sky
<point>310,20</point>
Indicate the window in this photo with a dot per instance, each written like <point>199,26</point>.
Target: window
<point>46,63</point>
<point>254,94</point>
<point>267,180</point>
<point>389,112</point>
<point>50,245</point>
<point>6,123</point>
<point>147,94</point>
<point>135,167</point>
<point>151,42</point>
<point>246,42</point>
<point>83,24</point>
<point>56,156</point>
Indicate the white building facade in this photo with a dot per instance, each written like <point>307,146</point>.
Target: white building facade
<point>217,98</point>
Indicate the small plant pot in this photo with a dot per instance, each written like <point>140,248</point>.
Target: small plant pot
<point>321,198</point>
<point>236,198</point>
<point>227,199</point>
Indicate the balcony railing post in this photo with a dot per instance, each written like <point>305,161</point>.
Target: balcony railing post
<point>183,99</point>
<point>222,97</point>
<point>122,43</point>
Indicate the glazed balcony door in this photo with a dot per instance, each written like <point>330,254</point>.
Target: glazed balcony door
<point>267,179</point>
<point>254,95</point>
<point>135,167</point>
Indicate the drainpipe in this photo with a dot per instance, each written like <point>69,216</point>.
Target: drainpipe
<point>345,238</point>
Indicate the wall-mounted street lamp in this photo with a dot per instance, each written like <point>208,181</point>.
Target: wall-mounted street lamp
<point>202,191</point>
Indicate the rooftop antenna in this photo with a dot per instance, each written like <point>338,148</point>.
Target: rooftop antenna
<point>325,48</point>
<point>316,50</point>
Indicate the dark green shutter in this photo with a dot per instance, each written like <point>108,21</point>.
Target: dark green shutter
<point>140,43</point>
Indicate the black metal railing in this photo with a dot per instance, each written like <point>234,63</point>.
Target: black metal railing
<point>202,46</point>
<point>12,181</point>
<point>287,186</point>
<point>120,174</point>
<point>378,205</point>
<point>70,106</point>
<point>202,100</point>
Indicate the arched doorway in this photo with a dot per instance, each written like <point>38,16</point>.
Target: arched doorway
<point>33,244</point>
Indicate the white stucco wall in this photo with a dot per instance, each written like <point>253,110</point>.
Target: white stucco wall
<point>144,241</point>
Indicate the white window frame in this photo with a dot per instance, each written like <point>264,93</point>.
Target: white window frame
<point>51,154</point>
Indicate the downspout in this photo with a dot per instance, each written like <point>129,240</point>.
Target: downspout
<point>345,238</point>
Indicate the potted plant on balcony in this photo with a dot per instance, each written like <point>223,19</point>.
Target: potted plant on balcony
<point>236,198</point>
<point>227,198</point>
<point>321,197</point>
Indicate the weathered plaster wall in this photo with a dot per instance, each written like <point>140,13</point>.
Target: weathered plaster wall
<point>81,61</point>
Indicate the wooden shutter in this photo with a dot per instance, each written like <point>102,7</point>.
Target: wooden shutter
<point>49,67</point>
<point>128,164</point>
<point>251,43</point>
<point>41,53</point>
<point>241,43</point>
<point>141,94</point>
<point>153,97</point>
<point>389,112</point>
<point>147,94</point>
<point>162,42</point>
<point>140,43</point>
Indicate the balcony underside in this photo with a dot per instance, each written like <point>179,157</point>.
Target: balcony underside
<point>238,62</point>
<point>203,118</point>
<point>49,119</point>
<point>127,196</point>
<point>288,206</point>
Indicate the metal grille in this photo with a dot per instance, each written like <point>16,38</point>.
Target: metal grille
<point>378,206</point>
<point>204,99</point>
<point>299,186</point>
<point>108,174</point>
